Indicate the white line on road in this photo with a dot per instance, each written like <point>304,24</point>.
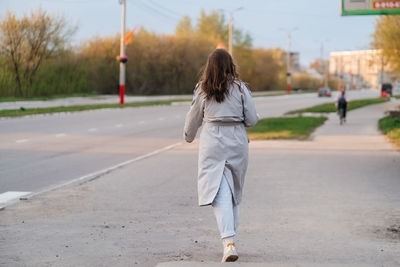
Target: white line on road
<point>119,125</point>
<point>161,119</point>
<point>92,130</point>
<point>11,195</point>
<point>21,141</point>
<point>141,122</point>
<point>94,175</point>
<point>60,135</point>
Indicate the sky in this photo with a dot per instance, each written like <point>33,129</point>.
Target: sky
<point>312,23</point>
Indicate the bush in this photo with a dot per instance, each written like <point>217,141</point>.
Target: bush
<point>61,76</point>
<point>7,83</point>
<point>391,128</point>
<point>305,81</point>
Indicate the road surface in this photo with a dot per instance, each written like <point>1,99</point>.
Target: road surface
<point>41,151</point>
<point>330,201</point>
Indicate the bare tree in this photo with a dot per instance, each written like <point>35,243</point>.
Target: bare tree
<point>27,41</point>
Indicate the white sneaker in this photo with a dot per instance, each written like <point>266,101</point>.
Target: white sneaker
<point>230,253</point>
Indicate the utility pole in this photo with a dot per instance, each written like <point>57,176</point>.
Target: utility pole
<point>122,58</point>
<point>288,74</point>
<point>324,68</point>
<point>382,71</point>
<point>230,46</point>
<point>358,74</point>
<point>341,88</point>
<point>322,64</point>
<point>230,34</point>
<point>288,65</point>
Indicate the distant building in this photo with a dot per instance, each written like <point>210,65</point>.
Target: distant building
<point>360,69</point>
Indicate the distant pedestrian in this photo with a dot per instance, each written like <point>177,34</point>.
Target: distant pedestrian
<point>342,107</point>
<point>224,103</point>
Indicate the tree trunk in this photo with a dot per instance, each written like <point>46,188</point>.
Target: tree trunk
<point>18,90</point>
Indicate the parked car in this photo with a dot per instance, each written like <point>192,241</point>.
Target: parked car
<point>325,91</point>
<point>387,89</point>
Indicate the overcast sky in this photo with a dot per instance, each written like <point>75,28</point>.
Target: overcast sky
<point>266,20</point>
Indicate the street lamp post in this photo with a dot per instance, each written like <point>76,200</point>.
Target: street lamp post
<point>288,67</point>
<point>324,66</point>
<point>288,74</point>
<point>230,34</point>
<point>230,46</point>
<point>123,58</point>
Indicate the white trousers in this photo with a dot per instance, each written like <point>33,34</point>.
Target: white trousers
<point>226,213</point>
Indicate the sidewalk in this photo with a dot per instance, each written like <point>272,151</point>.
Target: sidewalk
<point>330,201</point>
<point>99,99</point>
<point>89,100</point>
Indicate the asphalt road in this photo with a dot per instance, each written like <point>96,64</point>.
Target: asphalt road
<point>332,200</point>
<point>38,152</point>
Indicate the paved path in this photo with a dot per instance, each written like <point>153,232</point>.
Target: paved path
<point>333,200</point>
<point>98,99</point>
<point>72,101</point>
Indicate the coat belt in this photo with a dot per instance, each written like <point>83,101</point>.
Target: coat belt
<point>224,123</point>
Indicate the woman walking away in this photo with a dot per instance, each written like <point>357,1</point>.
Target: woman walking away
<point>224,104</point>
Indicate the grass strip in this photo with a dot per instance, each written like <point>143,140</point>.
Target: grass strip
<point>285,128</point>
<point>33,111</point>
<point>391,128</point>
<point>397,96</point>
<point>330,107</point>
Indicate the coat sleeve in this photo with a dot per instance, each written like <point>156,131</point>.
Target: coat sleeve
<point>194,118</point>
<point>249,110</point>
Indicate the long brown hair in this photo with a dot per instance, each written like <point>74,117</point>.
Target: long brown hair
<point>220,72</point>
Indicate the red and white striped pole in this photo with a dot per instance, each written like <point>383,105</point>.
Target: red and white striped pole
<point>288,74</point>
<point>123,58</point>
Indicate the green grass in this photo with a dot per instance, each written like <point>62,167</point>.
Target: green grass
<point>330,107</point>
<point>33,111</point>
<point>391,128</point>
<point>45,98</point>
<point>397,96</point>
<point>285,128</point>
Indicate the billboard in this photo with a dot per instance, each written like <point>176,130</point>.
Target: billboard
<point>370,7</point>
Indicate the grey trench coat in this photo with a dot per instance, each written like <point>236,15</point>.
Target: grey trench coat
<point>223,140</point>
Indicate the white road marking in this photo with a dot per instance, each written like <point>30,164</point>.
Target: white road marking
<point>60,135</point>
<point>161,119</point>
<point>141,122</point>
<point>21,141</point>
<point>11,195</point>
<point>119,125</point>
<point>178,116</point>
<point>92,130</point>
